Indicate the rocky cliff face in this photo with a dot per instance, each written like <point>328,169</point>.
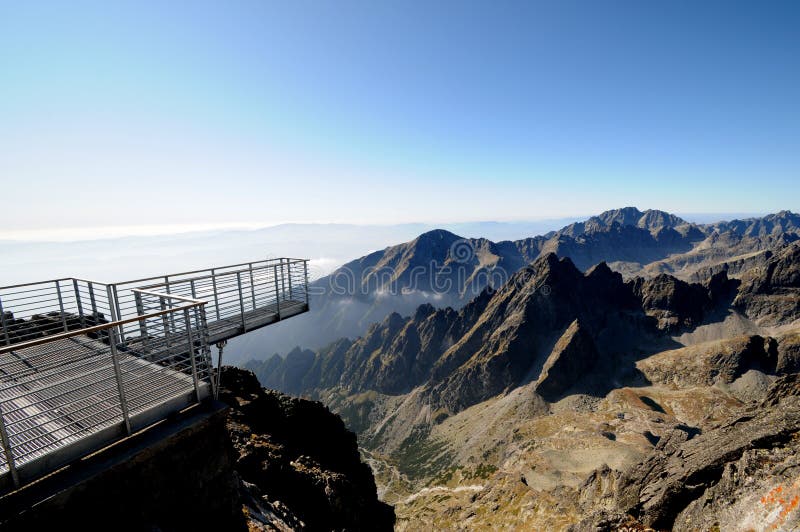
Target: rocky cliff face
<point>573,354</point>
<point>299,466</point>
<point>770,294</point>
<point>740,475</point>
<point>503,339</point>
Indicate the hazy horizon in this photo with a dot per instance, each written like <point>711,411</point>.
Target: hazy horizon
<point>106,232</point>
<point>328,246</point>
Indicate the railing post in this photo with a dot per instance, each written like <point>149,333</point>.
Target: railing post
<point>188,324</point>
<point>305,274</point>
<point>94,302</point>
<point>119,313</point>
<point>61,305</point>
<point>166,324</point>
<point>4,324</point>
<point>252,287</point>
<point>194,296</point>
<point>291,291</point>
<point>12,467</point>
<point>220,346</point>
<point>204,336</point>
<point>79,303</point>
<point>143,322</point>
<point>171,315</point>
<point>123,403</point>
<point>113,309</point>
<point>283,280</point>
<point>216,296</point>
<point>277,293</point>
<point>241,300</point>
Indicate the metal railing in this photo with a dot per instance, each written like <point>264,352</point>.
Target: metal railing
<point>34,310</point>
<point>84,362</point>
<point>240,298</point>
<point>71,392</point>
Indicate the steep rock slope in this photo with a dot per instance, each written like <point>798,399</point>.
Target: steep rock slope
<point>503,338</point>
<point>712,363</point>
<point>771,294</point>
<point>573,354</point>
<point>299,467</point>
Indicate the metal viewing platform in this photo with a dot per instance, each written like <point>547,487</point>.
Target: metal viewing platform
<point>85,363</point>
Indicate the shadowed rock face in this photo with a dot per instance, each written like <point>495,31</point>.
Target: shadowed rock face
<point>299,465</point>
<point>712,363</point>
<point>572,357</point>
<point>789,353</point>
<point>503,338</point>
<point>771,294</point>
<point>674,303</point>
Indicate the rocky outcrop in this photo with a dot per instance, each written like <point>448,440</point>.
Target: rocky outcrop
<point>300,467</point>
<point>686,479</point>
<point>515,332</point>
<point>675,304</point>
<point>711,363</point>
<point>771,294</point>
<point>788,353</point>
<point>572,357</point>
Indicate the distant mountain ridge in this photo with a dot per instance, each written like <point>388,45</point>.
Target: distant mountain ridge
<point>441,268</point>
<point>651,220</point>
<point>502,338</point>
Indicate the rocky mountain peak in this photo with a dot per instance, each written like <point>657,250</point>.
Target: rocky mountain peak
<point>423,311</point>
<point>435,239</point>
<point>652,219</point>
<point>601,272</point>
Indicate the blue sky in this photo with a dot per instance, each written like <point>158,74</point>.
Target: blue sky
<point>258,112</point>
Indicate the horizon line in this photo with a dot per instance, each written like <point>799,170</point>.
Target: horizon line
<point>118,232</point>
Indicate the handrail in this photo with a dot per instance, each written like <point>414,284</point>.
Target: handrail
<point>169,296</point>
<point>155,277</point>
<point>96,328</point>
<point>209,276</point>
<point>40,282</point>
<point>284,259</point>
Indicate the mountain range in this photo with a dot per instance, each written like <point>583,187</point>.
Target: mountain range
<point>547,398</point>
<point>444,269</point>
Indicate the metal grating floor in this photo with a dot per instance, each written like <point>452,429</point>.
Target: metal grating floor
<point>227,328</point>
<point>65,391</point>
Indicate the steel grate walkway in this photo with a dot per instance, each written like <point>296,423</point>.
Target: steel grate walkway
<point>84,363</point>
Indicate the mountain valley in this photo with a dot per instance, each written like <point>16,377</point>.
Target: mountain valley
<point>533,403</point>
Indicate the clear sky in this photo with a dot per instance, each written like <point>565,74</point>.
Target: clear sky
<point>260,112</point>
